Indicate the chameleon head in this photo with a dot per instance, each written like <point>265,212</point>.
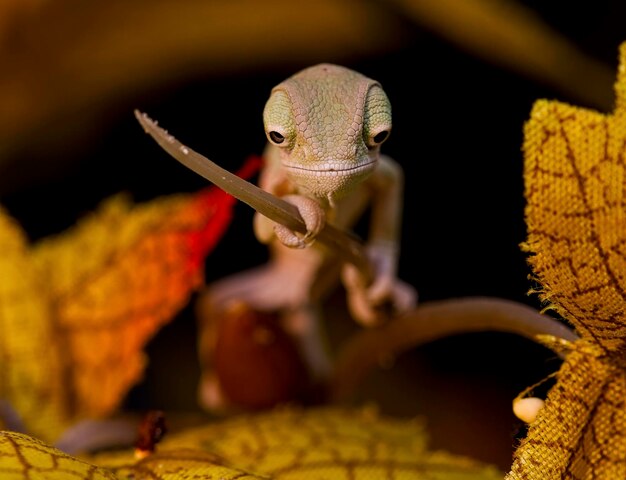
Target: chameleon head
<point>328,123</point>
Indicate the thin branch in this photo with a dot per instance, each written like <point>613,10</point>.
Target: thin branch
<point>434,320</point>
<point>264,202</point>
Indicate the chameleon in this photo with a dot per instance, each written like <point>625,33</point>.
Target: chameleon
<point>324,126</point>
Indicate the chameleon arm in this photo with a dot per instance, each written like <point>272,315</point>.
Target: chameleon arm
<point>272,179</point>
<point>383,243</point>
<point>386,191</point>
<point>388,183</point>
<point>431,321</point>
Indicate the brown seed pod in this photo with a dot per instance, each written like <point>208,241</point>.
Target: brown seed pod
<point>256,362</point>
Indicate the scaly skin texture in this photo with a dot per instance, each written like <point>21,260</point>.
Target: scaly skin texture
<point>324,127</point>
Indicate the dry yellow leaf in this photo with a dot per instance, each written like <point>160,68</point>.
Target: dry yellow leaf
<point>31,368</point>
<point>575,173</point>
<point>24,458</point>
<point>116,278</point>
<point>308,444</point>
<point>319,443</point>
<point>182,464</point>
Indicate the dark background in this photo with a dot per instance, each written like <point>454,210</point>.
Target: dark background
<point>458,119</point>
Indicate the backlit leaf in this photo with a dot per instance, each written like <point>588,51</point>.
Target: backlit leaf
<point>181,464</point>
<point>31,369</point>
<point>320,443</point>
<point>76,309</point>
<point>308,444</point>
<point>24,458</point>
<point>117,278</point>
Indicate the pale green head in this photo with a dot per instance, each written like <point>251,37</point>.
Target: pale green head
<point>328,122</point>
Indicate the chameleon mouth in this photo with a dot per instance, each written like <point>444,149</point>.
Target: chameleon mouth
<point>334,170</point>
<point>329,179</point>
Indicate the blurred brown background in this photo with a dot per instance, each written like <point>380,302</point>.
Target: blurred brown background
<point>462,76</point>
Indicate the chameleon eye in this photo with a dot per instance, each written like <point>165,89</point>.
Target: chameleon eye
<point>376,117</point>
<point>381,136</point>
<point>276,137</point>
<point>376,140</point>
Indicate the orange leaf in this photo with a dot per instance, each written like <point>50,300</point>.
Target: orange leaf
<point>125,271</point>
<point>97,293</point>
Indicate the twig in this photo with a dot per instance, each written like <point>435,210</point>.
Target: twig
<point>431,321</point>
<point>264,202</point>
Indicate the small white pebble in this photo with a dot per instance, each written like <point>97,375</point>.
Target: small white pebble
<point>526,409</point>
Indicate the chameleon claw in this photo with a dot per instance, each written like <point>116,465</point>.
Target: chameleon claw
<point>313,216</point>
<point>289,238</point>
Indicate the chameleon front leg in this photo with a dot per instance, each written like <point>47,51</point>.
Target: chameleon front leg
<point>367,301</point>
<point>274,180</point>
<point>372,304</point>
<point>314,218</point>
